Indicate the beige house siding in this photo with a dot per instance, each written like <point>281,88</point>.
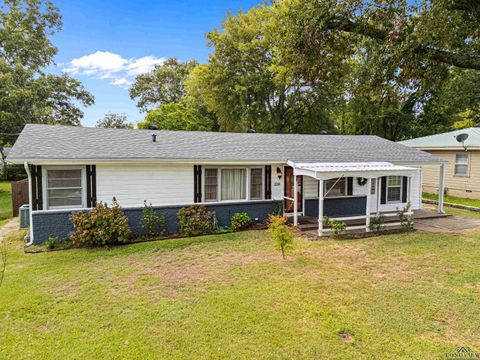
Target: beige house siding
<point>462,186</point>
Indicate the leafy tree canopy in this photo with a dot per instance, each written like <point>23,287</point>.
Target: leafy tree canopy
<point>402,64</point>
<point>176,116</point>
<point>114,121</point>
<point>242,87</point>
<point>27,93</point>
<point>164,84</point>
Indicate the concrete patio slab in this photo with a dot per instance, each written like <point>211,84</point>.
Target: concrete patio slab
<point>450,224</point>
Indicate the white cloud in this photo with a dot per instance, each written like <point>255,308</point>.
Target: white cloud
<point>122,82</point>
<point>143,65</point>
<point>111,66</point>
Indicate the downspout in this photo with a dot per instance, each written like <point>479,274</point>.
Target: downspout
<point>30,210</point>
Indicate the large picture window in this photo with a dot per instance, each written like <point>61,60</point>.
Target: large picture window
<point>64,188</point>
<point>461,164</point>
<point>256,184</point>
<point>234,184</point>
<point>335,187</point>
<point>394,189</point>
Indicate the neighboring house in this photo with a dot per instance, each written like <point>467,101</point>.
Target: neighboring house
<point>72,168</point>
<point>462,172</point>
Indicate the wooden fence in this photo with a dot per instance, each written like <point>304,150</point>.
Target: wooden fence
<point>19,195</point>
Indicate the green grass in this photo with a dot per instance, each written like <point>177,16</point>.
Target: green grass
<point>453,199</point>
<point>5,201</point>
<point>410,296</point>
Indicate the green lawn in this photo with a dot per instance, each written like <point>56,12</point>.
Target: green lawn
<point>453,199</point>
<point>5,201</point>
<point>410,296</point>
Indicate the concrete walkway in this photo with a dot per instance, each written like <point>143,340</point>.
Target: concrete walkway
<point>450,224</point>
<point>8,228</point>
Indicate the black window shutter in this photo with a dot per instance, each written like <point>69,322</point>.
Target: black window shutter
<point>37,194</point>
<point>268,181</point>
<point>197,183</point>
<point>349,185</point>
<point>91,186</point>
<point>383,192</point>
<point>404,189</point>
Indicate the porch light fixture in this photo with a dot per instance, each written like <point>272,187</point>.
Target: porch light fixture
<point>279,173</point>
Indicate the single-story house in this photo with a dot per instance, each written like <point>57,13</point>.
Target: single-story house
<point>73,168</point>
<point>460,149</point>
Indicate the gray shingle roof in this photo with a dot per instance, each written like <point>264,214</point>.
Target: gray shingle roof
<point>57,143</point>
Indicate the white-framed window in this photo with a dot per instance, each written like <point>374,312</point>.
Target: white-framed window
<point>335,187</point>
<point>233,184</point>
<point>256,184</point>
<point>394,189</point>
<point>461,164</point>
<point>211,184</point>
<point>65,188</point>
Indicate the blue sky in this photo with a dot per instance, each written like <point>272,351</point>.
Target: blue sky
<point>106,43</point>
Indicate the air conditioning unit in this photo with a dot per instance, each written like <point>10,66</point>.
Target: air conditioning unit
<point>24,214</point>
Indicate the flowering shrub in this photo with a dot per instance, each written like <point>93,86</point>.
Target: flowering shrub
<point>101,226</point>
<point>195,220</point>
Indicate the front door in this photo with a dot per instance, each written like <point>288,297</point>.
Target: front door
<point>289,190</point>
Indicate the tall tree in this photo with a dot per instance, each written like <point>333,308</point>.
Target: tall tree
<point>164,84</point>
<point>413,39</point>
<point>27,93</point>
<point>114,121</point>
<point>176,116</point>
<point>242,87</point>
<point>407,52</point>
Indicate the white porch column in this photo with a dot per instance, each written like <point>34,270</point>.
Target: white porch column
<point>367,218</point>
<point>320,207</point>
<point>295,199</point>
<point>441,189</point>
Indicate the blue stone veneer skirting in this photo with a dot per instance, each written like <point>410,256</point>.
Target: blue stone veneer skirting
<point>56,223</point>
<point>334,207</point>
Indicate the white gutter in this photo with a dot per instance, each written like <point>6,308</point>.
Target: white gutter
<point>147,161</point>
<point>30,210</point>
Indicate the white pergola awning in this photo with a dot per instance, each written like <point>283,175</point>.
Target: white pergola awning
<point>368,170</point>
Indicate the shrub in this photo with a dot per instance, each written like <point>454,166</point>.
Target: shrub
<point>195,220</point>
<point>277,208</point>
<point>336,227</point>
<point>377,223</point>
<point>151,221</point>
<point>55,243</point>
<point>282,236</point>
<point>101,226</point>
<point>406,220</point>
<point>240,220</point>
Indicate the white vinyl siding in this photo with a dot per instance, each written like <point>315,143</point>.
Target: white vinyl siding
<point>159,184</point>
<point>461,164</point>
